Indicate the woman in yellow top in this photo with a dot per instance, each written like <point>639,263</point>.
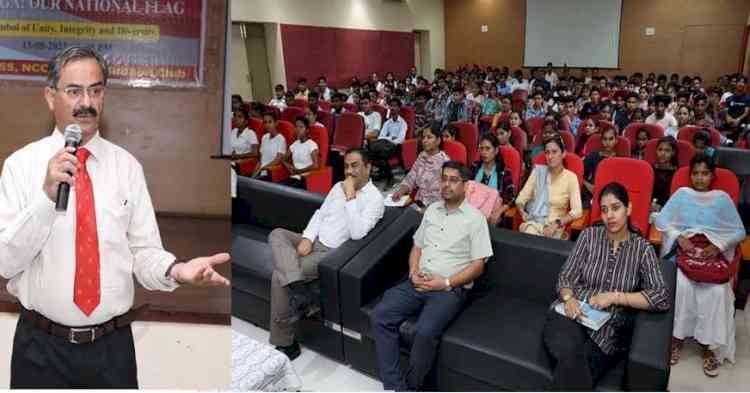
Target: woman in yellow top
<point>551,197</point>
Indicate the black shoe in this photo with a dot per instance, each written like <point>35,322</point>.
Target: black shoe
<point>302,302</point>
<point>291,351</point>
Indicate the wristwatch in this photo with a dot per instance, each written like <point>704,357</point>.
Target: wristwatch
<point>448,287</point>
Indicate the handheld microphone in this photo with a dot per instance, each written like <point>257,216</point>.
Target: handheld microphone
<point>72,139</point>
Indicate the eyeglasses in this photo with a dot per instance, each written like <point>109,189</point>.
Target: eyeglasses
<point>77,92</point>
<point>451,179</point>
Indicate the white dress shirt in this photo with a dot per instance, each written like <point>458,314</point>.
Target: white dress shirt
<point>394,131</point>
<point>37,244</point>
<point>372,121</point>
<point>668,123</point>
<point>270,147</point>
<point>278,103</point>
<point>338,220</point>
<point>243,143</point>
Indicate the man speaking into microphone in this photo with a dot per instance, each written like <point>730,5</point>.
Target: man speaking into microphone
<point>72,268</point>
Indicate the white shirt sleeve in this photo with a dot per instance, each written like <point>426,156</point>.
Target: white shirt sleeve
<point>313,227</point>
<point>150,260</point>
<point>24,226</point>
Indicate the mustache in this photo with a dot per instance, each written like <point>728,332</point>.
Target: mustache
<point>85,111</point>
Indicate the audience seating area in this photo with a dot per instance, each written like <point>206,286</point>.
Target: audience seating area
<point>495,343</point>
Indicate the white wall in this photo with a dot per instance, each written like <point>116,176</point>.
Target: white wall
<point>392,15</point>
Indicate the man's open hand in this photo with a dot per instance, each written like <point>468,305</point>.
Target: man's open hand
<point>200,271</point>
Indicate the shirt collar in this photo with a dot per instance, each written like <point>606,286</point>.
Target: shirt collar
<point>95,145</point>
<point>461,208</point>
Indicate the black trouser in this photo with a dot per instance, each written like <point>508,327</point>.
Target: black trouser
<point>42,361</point>
<point>382,150</point>
<point>580,362</point>
<point>435,309</point>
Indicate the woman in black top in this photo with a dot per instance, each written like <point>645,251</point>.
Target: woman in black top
<point>667,162</point>
<point>611,268</point>
<point>490,170</point>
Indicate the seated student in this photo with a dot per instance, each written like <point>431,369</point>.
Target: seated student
<point>257,110</point>
<point>661,117</point>
<point>244,140</point>
<point>351,209</point>
<point>605,111</point>
<point>424,175</point>
<point>667,162</point>
<point>568,112</point>
<point>323,89</point>
<point>505,110</point>
<point>288,98</point>
<point>702,143</point>
<point>372,118</point>
<point>422,118</point>
<point>439,279</point>
<point>682,115</point>
<point>391,136</point>
<point>638,116</point>
<point>278,100</point>
<point>449,133</point>
<point>549,130</point>
<point>551,197</point>
<point>703,229</point>
<point>517,121</point>
<point>491,171</point>
<point>313,100</point>
<point>503,134</point>
<point>592,107</point>
<point>582,355</point>
<point>272,147</point>
<point>738,109</point>
<point>588,128</point>
<point>701,117</point>
<point>301,91</point>
<point>456,109</point>
<point>592,160</point>
<point>641,140</point>
<point>491,104</point>
<point>337,105</point>
<point>624,116</point>
<point>536,109</point>
<point>302,156</point>
<point>311,114</point>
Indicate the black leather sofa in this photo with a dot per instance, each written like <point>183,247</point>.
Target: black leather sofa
<point>495,343</point>
<point>267,206</point>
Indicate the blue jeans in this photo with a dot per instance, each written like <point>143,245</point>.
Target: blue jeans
<point>435,310</point>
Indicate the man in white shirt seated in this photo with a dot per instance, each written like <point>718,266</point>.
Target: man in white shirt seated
<point>323,90</point>
<point>350,211</point>
<point>450,249</point>
<point>71,267</point>
<point>278,100</point>
<point>661,117</point>
<point>372,118</point>
<point>391,136</point>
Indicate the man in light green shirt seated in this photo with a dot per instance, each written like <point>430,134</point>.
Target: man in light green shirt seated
<point>450,249</point>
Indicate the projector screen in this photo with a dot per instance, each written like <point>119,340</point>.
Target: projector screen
<point>581,33</point>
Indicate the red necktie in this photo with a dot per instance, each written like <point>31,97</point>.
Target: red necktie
<point>86,291</point>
